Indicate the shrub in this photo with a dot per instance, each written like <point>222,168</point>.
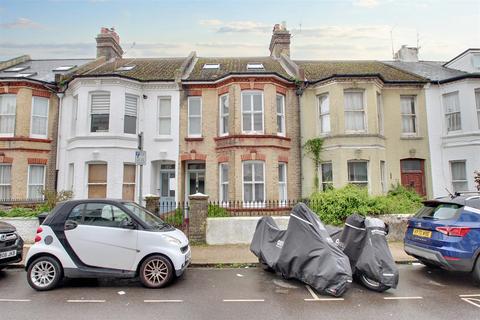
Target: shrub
<point>215,211</point>
<point>175,219</point>
<point>335,205</point>
<point>20,212</point>
<point>51,199</point>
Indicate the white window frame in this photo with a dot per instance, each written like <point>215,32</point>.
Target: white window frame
<point>477,103</point>
<point>458,181</point>
<point>364,110</point>
<point>160,98</point>
<point>356,182</point>
<point>71,176</point>
<point>281,115</point>
<point>322,182</point>
<point>7,184</point>
<point>14,115</point>
<point>320,98</point>
<point>74,115</point>
<point>222,184</point>
<point>136,114</point>
<point>222,115</point>
<point>380,114</point>
<point>252,113</point>
<point>383,176</point>
<point>28,178</point>
<point>410,115</point>
<point>283,184</point>
<point>194,135</point>
<point>253,204</point>
<point>447,115</point>
<point>90,95</point>
<point>39,136</point>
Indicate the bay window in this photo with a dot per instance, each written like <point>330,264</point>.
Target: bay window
<point>327,176</point>
<point>282,182</point>
<point>223,174</point>
<point>130,120</point>
<point>280,114</point>
<point>224,113</point>
<point>324,113</point>
<point>477,102</point>
<point>253,182</point>
<point>252,112</point>
<point>354,111</point>
<point>8,106</point>
<point>128,189</point>
<point>100,111</point>
<point>358,173</point>
<point>97,180</point>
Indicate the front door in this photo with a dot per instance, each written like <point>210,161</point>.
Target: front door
<point>195,178</point>
<point>413,175</point>
<point>94,232</point>
<point>167,187</point>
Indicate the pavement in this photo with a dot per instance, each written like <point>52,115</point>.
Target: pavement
<point>237,255</point>
<point>242,293</point>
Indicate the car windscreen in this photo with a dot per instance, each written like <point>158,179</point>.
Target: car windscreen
<point>145,216</point>
<point>438,211</point>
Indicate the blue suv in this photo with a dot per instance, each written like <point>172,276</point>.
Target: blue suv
<point>445,233</point>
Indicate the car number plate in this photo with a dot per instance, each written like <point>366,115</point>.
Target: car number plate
<point>8,254</point>
<point>422,233</point>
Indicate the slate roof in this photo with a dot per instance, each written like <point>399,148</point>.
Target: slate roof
<point>237,65</point>
<point>433,70</point>
<point>43,69</point>
<point>321,70</point>
<point>146,69</point>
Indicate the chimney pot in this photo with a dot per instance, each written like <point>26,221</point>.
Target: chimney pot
<point>280,41</point>
<point>108,44</point>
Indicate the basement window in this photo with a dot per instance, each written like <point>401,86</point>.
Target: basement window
<point>125,68</point>
<point>16,69</point>
<point>255,66</point>
<point>64,68</point>
<point>211,66</point>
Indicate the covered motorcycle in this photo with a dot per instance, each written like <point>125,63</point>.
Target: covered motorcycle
<point>303,251</point>
<point>364,241</point>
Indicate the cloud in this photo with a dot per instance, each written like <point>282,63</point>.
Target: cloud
<point>345,32</point>
<point>237,26</point>
<point>21,23</point>
<point>366,3</point>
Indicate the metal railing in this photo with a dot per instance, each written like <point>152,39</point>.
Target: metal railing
<point>175,214</point>
<point>254,209</point>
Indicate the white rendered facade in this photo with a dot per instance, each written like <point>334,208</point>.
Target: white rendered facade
<point>79,146</point>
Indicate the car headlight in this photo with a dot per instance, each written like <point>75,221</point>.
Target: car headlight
<point>172,240</point>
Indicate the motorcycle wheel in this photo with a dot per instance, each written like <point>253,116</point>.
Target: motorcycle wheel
<point>372,284</point>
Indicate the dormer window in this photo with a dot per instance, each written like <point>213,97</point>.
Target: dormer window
<point>255,66</point>
<point>63,68</point>
<point>211,66</point>
<point>125,68</point>
<point>25,75</point>
<point>16,69</point>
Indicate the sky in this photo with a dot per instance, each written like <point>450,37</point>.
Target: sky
<point>328,30</point>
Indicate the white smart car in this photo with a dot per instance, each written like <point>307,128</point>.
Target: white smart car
<point>98,238</point>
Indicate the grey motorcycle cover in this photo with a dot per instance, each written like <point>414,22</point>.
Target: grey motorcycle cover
<point>303,251</point>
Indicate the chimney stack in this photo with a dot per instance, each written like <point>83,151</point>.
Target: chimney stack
<point>280,42</point>
<point>108,44</point>
<point>407,54</point>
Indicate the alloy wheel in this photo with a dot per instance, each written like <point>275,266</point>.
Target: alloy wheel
<point>43,273</point>
<point>155,272</point>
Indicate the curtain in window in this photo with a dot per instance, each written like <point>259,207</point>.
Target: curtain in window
<point>36,180</point>
<point>5,181</point>
<point>459,176</point>
<point>354,112</point>
<point>224,113</point>
<point>324,107</point>
<point>452,111</point>
<point>39,116</point>
<point>327,175</point>
<point>407,107</point>
<point>7,114</point>
<point>357,171</point>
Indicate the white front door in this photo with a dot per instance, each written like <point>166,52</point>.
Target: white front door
<point>167,187</point>
<point>94,232</point>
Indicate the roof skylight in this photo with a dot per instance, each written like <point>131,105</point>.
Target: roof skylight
<point>64,68</point>
<point>254,66</point>
<point>25,75</point>
<point>16,69</point>
<point>211,66</point>
<point>125,68</point>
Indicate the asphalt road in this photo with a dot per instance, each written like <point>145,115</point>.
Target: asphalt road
<point>241,294</point>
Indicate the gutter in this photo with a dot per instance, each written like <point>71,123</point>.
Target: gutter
<point>377,75</point>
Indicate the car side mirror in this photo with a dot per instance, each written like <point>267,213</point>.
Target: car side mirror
<point>128,224</point>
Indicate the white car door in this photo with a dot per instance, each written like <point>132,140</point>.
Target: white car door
<point>95,233</point>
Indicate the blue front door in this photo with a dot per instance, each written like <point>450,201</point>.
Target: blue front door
<point>167,188</point>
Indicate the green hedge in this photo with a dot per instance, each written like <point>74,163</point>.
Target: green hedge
<point>24,212</point>
<point>335,205</point>
<point>215,211</point>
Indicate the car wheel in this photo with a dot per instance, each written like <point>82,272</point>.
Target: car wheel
<point>372,284</point>
<point>476,271</point>
<point>156,272</point>
<point>44,273</point>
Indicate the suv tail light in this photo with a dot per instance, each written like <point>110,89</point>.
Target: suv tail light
<point>453,231</point>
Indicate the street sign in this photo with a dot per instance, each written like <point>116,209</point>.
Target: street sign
<point>140,157</point>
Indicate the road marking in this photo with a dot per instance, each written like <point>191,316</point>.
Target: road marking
<point>402,298</point>
<point>469,295</point>
<point>471,301</point>
<point>85,301</point>
<point>316,298</point>
<point>15,300</point>
<point>243,300</point>
<point>162,301</point>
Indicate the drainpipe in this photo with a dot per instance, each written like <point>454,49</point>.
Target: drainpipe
<point>299,92</point>
<point>60,96</point>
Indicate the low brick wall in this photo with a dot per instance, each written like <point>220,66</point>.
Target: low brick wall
<point>240,230</point>
<point>26,227</point>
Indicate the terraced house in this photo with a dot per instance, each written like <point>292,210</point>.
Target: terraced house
<point>28,125</point>
<point>239,128</point>
<point>373,121</point>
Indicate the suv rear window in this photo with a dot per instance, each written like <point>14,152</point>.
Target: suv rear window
<point>441,211</point>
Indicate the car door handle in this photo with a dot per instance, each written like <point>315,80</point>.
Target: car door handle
<point>70,225</point>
